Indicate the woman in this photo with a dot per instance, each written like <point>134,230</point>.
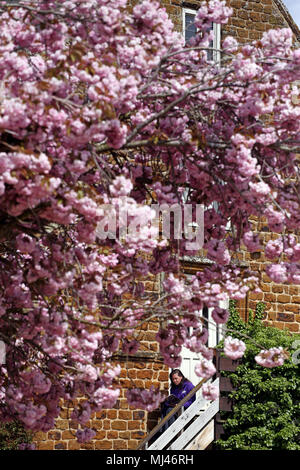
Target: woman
<point>180,387</point>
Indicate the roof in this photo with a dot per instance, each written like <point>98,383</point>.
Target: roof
<point>288,18</point>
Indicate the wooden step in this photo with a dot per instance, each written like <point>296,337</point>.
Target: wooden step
<point>204,438</point>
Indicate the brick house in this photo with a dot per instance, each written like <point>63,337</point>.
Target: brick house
<point>124,427</point>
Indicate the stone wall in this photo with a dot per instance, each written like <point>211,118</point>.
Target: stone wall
<point>122,427</point>
<point>249,20</point>
<point>282,301</point>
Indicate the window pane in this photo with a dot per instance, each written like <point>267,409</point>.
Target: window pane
<point>190,28</point>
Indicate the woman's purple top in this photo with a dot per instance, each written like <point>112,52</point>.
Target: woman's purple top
<point>181,391</point>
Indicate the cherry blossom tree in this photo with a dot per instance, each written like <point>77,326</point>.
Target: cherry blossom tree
<point>105,112</point>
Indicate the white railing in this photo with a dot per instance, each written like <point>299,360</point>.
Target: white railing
<point>180,434</point>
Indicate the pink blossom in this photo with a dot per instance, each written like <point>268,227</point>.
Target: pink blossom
<point>246,69</point>
<point>277,272</point>
<point>218,251</point>
<point>197,346</point>
<point>88,373</point>
<point>213,11</point>
<point>196,342</point>
<point>83,414</point>
<point>274,248</point>
<point>210,391</point>
<point>85,435</point>
<point>25,243</point>
<point>175,286</point>
<point>234,348</point>
<point>252,241</point>
<point>220,315</point>
<point>105,397</point>
<point>171,357</point>
<point>116,133</point>
<point>273,357</point>
<point>276,39</point>
<point>207,353</point>
<point>275,219</point>
<point>293,273</point>
<point>230,44</point>
<point>130,347</point>
<point>31,414</point>
<point>205,369</point>
<point>146,399</point>
<point>292,248</point>
<point>121,186</point>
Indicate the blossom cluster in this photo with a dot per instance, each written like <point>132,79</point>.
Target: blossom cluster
<point>210,391</point>
<point>205,369</point>
<point>273,357</point>
<point>234,348</point>
<point>146,399</point>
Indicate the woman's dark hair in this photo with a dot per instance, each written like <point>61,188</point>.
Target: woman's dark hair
<point>177,372</point>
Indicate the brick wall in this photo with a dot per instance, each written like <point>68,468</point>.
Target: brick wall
<point>123,426</point>
<point>252,18</point>
<point>282,301</point>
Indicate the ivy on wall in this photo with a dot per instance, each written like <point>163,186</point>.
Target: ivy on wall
<point>266,402</point>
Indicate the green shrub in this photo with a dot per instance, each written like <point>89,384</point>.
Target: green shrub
<point>266,405</point>
<point>12,435</point>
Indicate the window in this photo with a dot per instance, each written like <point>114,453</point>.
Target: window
<point>189,31</point>
<point>215,331</point>
<point>189,28</point>
<point>215,335</point>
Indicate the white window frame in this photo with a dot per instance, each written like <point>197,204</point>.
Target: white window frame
<point>216,332</point>
<point>216,30</point>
